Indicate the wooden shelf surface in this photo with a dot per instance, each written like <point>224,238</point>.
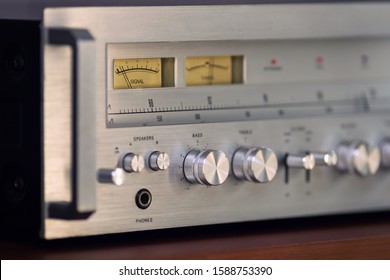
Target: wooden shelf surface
<point>339,237</point>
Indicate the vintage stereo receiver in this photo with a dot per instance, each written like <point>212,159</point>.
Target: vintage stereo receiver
<point>121,119</point>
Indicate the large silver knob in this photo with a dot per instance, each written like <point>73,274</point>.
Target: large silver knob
<point>207,167</point>
<point>255,164</point>
<point>385,152</point>
<point>159,161</point>
<point>356,157</point>
<point>304,161</point>
<point>132,163</point>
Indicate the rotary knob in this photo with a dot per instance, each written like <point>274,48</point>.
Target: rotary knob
<point>385,152</point>
<point>159,161</point>
<point>207,167</point>
<point>356,157</point>
<point>255,164</point>
<point>132,163</point>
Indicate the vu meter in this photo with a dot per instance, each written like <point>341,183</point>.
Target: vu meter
<point>213,70</point>
<point>135,73</point>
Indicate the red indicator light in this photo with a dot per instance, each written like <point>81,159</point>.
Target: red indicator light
<point>274,61</point>
<point>319,60</point>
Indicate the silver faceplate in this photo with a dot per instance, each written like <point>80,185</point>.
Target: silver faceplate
<point>359,109</point>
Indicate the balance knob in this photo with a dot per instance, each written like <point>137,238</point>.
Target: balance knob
<point>255,164</point>
<point>207,167</point>
<point>356,157</point>
<point>159,161</point>
<point>132,163</point>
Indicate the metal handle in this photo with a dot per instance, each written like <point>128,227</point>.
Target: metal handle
<point>83,190</point>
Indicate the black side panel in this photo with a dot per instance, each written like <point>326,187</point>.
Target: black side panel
<point>20,128</point>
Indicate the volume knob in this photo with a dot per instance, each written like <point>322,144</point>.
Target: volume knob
<point>207,167</point>
<point>255,164</point>
<point>356,157</point>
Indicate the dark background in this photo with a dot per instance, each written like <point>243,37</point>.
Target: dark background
<point>32,9</point>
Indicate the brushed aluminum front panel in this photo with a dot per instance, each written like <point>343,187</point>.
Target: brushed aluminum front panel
<point>177,203</point>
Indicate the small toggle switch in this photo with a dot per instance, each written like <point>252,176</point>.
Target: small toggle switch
<point>111,176</point>
<point>325,158</point>
<point>304,161</point>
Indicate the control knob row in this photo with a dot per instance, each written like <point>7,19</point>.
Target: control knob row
<point>132,163</point>
<point>211,167</point>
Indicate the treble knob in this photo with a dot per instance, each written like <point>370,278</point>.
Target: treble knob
<point>255,164</point>
<point>356,157</point>
<point>207,167</point>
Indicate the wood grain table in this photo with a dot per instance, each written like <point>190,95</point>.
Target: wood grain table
<point>337,237</point>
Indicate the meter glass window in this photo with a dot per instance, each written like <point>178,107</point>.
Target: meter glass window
<point>133,73</point>
<point>213,70</point>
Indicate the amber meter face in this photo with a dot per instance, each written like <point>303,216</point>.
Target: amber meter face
<point>213,70</point>
<point>133,73</point>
